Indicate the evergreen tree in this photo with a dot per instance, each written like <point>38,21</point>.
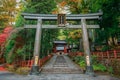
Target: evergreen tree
<point>40,6</point>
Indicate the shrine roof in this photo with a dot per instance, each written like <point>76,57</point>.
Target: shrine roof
<point>60,42</point>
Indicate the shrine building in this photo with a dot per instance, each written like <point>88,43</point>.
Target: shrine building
<point>60,47</point>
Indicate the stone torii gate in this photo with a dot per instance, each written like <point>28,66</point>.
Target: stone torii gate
<point>48,17</point>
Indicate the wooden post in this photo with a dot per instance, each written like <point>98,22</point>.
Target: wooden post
<point>54,49</point>
<point>108,54</point>
<point>89,68</point>
<point>65,49</point>
<point>35,67</point>
<point>102,56</point>
<point>115,54</point>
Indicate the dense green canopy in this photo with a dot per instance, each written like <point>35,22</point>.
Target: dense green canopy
<point>40,6</point>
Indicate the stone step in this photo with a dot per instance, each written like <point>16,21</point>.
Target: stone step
<point>62,70</point>
<point>61,66</point>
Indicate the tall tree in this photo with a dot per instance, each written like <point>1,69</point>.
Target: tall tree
<point>40,6</point>
<point>8,10</point>
<point>110,19</point>
<point>78,6</point>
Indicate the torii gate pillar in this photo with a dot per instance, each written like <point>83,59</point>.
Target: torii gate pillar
<point>35,66</point>
<point>89,68</point>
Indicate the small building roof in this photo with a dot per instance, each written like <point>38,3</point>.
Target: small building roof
<point>60,42</point>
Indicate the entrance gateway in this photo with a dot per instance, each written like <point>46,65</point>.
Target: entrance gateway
<point>51,17</point>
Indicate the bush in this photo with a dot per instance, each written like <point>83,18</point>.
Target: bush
<point>99,67</point>
<point>105,48</point>
<point>82,64</point>
<point>115,64</point>
<point>23,70</point>
<point>77,59</point>
<point>110,70</point>
<point>94,60</point>
<point>10,68</point>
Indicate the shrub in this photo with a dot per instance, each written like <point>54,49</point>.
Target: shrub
<point>81,61</point>
<point>79,58</point>
<point>10,68</point>
<point>110,70</point>
<point>105,48</point>
<point>99,67</point>
<point>94,60</point>
<point>82,64</point>
<point>23,70</point>
<point>115,64</point>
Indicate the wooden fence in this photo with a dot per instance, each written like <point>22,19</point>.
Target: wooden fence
<point>114,54</point>
<point>29,63</point>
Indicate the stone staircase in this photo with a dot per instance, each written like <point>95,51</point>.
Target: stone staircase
<point>60,66</point>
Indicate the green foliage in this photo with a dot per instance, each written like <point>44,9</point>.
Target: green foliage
<point>39,7</point>
<point>25,51</point>
<point>7,11</point>
<point>79,6</point>
<point>72,37</point>
<point>10,45</point>
<point>21,52</point>
<point>8,48</point>
<point>78,59</point>
<point>73,50</point>
<point>82,64</point>
<point>110,19</point>
<point>81,61</point>
<point>105,48</point>
<point>19,21</point>
<point>115,65</point>
<point>95,60</point>
<point>99,67</point>
<point>110,70</point>
<point>47,41</point>
<point>43,6</point>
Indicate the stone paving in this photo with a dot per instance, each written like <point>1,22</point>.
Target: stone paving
<point>61,64</point>
<point>4,75</point>
<point>11,76</point>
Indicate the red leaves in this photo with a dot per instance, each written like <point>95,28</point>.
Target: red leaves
<point>5,34</point>
<point>3,38</point>
<point>7,30</point>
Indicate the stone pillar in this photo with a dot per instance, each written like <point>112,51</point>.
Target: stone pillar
<point>35,67</point>
<point>89,68</point>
